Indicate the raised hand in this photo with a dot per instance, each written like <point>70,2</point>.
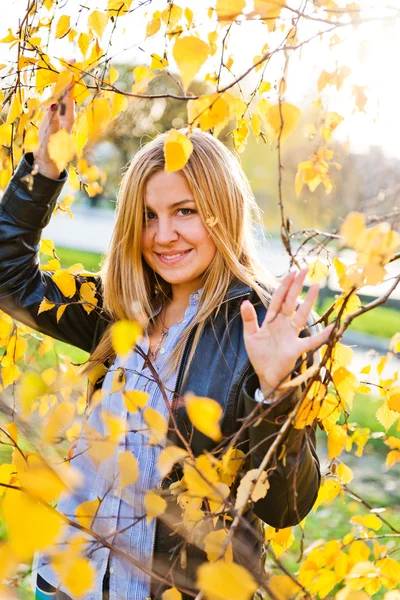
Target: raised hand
<point>274,348</point>
<point>59,116</point>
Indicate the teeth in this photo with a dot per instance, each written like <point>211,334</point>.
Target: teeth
<point>172,256</point>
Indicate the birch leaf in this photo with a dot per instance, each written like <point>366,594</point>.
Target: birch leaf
<point>177,150</point>
<point>205,414</point>
<point>61,148</point>
<point>260,490</point>
<point>154,505</point>
<point>190,54</point>
<point>128,469</point>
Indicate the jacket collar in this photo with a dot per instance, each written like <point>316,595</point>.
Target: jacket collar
<point>238,288</point>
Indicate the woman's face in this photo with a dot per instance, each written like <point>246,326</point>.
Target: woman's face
<point>175,243</point>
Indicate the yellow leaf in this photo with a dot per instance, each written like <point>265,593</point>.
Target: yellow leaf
<point>30,525</point>
<point>5,134</point>
<point>228,10</point>
<point>45,305</point>
<point>317,271</point>
<point>283,587</point>
<point>200,477</point>
<point>171,15</point>
<point>10,374</point>
<point>346,384</point>
<point>80,578</point>
<point>88,295</point>
<point>157,425</point>
<point>171,594</point>
<point>118,381</point>
<point>113,75</point>
<point>246,484</point>
<point>86,512</point>
<point>15,110</point>
<point>61,311</point>
<point>124,336</point>
<point>128,469</point>
<point>119,104</point>
<point>392,458</point>
<point>325,582</point>
<point>189,17</point>
<point>310,406</point>
<point>190,54</point>
<point>255,124</point>
<point>119,7</point>
<point>63,25</point>
<point>98,116</point>
<point>327,492</point>
<point>212,111</point>
<point>47,247</point>
<point>135,399</point>
<point>264,86</point>
<point>154,505</point>
<point>153,27</point>
<point>30,388</point>
<point>370,521</point>
<point>168,457</point>
<point>143,75</point>
<point>61,148</point>
<point>337,439</point>
<point>83,43</point>
<point>100,447</point>
<point>281,119</point>
<point>213,543</point>
<point>280,539</point>
<point>42,481</point>
<point>393,396</point>
<point>60,418</point>
<point>353,303</point>
<point>158,63</point>
<point>344,473</point>
<point>352,228</point>
<point>230,463</point>
<point>177,150</point>
<point>205,414</point>
<point>386,416</point>
<point>98,21</point>
<point>223,580</point>
<point>46,74</point>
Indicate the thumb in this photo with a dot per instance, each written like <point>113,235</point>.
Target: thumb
<point>249,318</point>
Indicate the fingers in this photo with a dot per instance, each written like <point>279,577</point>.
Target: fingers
<point>280,293</point>
<point>249,318</point>
<point>290,302</point>
<point>301,315</point>
<point>67,107</point>
<point>313,341</point>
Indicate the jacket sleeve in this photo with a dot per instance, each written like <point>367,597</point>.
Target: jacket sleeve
<point>25,209</point>
<point>295,481</point>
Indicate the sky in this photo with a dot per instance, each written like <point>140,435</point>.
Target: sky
<point>371,52</point>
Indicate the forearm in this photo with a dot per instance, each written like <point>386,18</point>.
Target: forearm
<point>294,480</point>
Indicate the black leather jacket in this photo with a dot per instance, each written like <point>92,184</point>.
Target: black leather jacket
<point>220,370</point>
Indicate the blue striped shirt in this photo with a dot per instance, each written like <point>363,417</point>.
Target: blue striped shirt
<point>120,518</point>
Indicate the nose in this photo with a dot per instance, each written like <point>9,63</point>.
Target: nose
<point>165,232</point>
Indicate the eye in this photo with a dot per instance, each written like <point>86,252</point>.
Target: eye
<point>186,211</point>
<point>149,216</point>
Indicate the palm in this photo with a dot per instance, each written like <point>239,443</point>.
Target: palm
<point>274,347</point>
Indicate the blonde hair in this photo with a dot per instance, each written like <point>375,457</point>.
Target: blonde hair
<point>228,210</point>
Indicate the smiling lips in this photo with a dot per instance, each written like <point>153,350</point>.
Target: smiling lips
<point>172,258</point>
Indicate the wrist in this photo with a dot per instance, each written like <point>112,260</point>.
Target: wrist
<point>46,168</point>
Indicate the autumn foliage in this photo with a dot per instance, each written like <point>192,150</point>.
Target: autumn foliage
<point>44,401</point>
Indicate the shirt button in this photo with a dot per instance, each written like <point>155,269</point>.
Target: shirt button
<point>196,296</point>
<point>183,321</point>
<point>111,570</point>
<point>162,351</point>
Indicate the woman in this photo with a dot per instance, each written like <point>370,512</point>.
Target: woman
<point>182,261</point>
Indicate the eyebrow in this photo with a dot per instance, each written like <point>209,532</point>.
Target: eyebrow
<point>175,204</point>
